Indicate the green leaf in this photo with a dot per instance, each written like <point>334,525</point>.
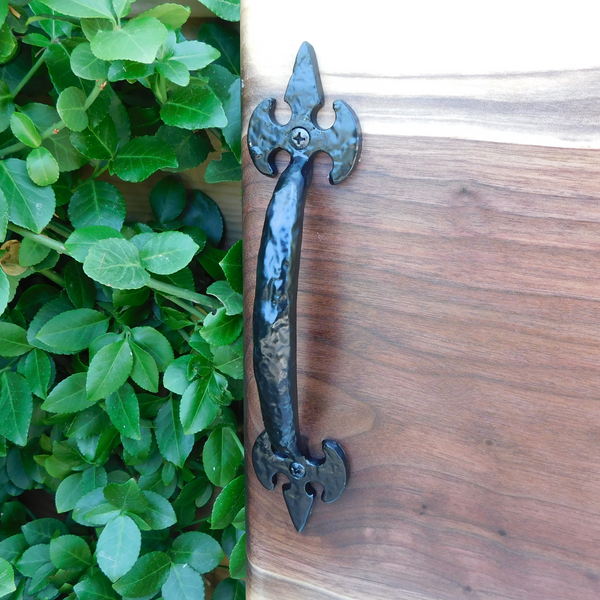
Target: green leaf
<point>195,55</point>
<point>37,370</point>
<point>95,587</point>
<point>221,456</point>
<point>220,329</point>
<point>175,378</point>
<point>7,578</point>
<point>71,108</point>
<point>33,558</point>
<point>174,71</point>
<point>42,167</point>
<point>68,493</point>
<point>155,344</point>
<point>6,106</point>
<point>232,301</point>
<point>74,330</point>
<point>226,40</point>
<point>86,65</point>
<point>229,10</point>
<point>69,396</point>
<point>62,149</point>
<point>172,15</point>
<point>228,503</point>
<point>139,40</point>
<point>219,80</point>
<point>80,288</point>
<point>233,112</point>
<point>232,267</point>
<point>203,211</point>
<point>172,442</point>
<point>225,169</point>
<point>198,550</point>
<point>124,411</point>
<point>127,69</point>
<point>97,142</point>
<point>97,203</point>
<point>109,370</point>
<point>29,206</point>
<point>13,547</point>
<point>159,514</point>
<point>4,291</point>
<point>183,584</point>
<point>237,560</point>
<point>122,298</point>
<point>126,496</point>
<point>168,252</point>
<point>191,147</point>
<point>87,9</point>
<point>193,107</point>
<point>24,130</point>
<point>118,547</point>
<point>230,589</point>
<point>116,263</point>
<point>70,552</point>
<point>146,577</point>
<point>141,157</point>
<point>13,340</point>
<point>228,361</point>
<point>167,199</point>
<point>88,423</point>
<point>199,405</point>
<point>8,44</point>
<point>3,216</point>
<point>80,241</point>
<point>145,371</point>
<point>41,531</point>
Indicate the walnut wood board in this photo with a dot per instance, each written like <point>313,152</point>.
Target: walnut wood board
<point>448,336</point>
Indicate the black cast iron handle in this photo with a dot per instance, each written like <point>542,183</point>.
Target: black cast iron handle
<point>279,449</point>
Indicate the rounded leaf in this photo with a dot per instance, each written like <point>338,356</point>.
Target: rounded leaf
<point>118,547</point>
<point>82,239</point>
<point>199,550</point>
<point>221,456</point>
<point>116,263</point>
<point>70,552</point>
<point>85,64</point>
<point>74,330</point>
<point>24,130</point>
<point>71,108</point>
<point>109,370</point>
<point>42,167</point>
<point>146,577</point>
<point>97,203</point>
<point>168,252</point>
<point>141,157</point>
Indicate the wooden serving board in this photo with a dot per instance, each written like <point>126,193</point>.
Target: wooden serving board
<point>449,304</point>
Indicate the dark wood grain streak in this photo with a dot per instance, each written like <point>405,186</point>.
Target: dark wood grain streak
<point>449,337</point>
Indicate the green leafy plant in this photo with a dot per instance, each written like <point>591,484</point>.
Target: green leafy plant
<point>121,353</point>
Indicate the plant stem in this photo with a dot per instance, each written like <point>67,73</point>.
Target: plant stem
<point>160,286</point>
<point>237,439</point>
<point>172,290</point>
<point>52,276</point>
<point>30,74</point>
<point>60,125</point>
<point>197,312</point>
<point>40,239</point>
<point>59,228</point>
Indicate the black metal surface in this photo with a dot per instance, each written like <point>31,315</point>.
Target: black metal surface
<point>278,449</point>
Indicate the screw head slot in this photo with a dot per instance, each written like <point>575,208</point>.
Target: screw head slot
<point>297,471</point>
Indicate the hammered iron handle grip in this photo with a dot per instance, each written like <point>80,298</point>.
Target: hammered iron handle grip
<point>279,448</point>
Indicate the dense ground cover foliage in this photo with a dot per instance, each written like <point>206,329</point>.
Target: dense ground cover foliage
<point>121,465</point>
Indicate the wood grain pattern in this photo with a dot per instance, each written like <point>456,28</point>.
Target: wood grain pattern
<point>448,337</point>
<point>449,304</point>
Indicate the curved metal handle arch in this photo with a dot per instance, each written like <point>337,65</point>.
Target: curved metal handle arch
<point>278,449</point>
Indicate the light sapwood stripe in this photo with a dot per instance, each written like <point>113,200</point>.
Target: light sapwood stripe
<point>436,69</point>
